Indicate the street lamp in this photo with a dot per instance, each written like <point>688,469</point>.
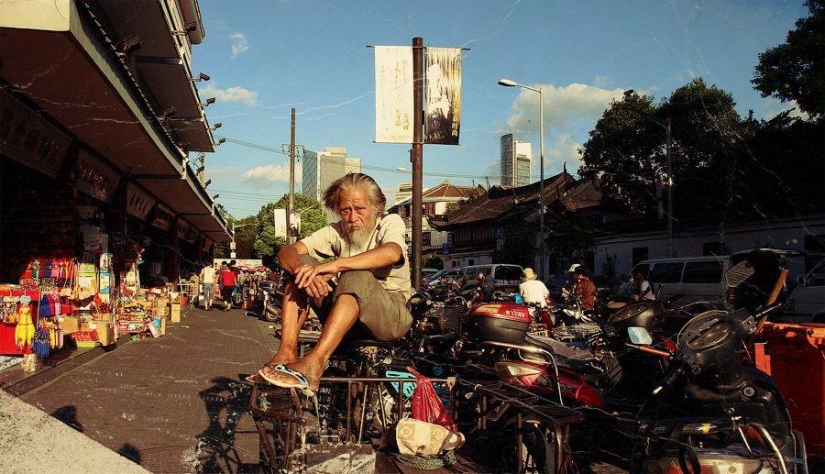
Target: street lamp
<point>629,100</point>
<point>509,83</point>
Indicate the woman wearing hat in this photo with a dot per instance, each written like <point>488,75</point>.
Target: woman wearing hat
<point>533,291</point>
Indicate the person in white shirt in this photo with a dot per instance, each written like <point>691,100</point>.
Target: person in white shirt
<point>208,282</point>
<point>645,289</point>
<point>532,290</point>
<point>373,282</point>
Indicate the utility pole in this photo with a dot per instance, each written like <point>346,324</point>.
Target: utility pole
<point>292,146</point>
<point>417,159</point>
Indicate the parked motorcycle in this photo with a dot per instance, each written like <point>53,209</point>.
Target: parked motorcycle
<point>711,412</point>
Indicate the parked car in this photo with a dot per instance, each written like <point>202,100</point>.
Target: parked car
<point>450,272</point>
<point>807,301</point>
<point>427,272</point>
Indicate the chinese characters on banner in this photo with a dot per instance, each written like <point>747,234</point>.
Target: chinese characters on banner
<point>442,103</point>
<point>393,94</point>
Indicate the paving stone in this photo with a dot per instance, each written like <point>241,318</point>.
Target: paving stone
<point>173,403</point>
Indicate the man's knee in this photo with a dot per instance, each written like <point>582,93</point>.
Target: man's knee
<point>355,282</point>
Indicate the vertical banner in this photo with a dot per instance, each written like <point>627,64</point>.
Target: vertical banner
<point>393,94</point>
<point>443,101</point>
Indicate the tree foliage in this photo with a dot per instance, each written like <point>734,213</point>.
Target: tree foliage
<point>725,168</point>
<point>627,152</point>
<point>795,70</point>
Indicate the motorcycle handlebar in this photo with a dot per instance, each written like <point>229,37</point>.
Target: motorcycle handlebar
<point>669,380</point>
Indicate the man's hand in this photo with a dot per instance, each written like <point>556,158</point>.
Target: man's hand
<point>314,279</point>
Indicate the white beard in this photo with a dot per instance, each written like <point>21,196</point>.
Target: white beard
<point>360,240</point>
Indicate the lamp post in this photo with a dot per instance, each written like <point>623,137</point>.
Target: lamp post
<point>509,83</point>
<point>666,125</point>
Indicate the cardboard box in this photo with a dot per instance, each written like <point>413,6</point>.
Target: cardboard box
<point>105,332</point>
<point>69,324</point>
<point>175,313</point>
<point>161,302</point>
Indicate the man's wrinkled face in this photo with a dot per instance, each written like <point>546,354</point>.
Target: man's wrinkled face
<point>357,214</point>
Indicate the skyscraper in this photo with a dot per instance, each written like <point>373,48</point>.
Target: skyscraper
<point>320,169</point>
<point>516,161</point>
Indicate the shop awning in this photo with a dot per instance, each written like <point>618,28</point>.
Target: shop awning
<point>63,62</point>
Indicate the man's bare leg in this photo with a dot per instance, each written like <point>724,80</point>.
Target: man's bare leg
<point>293,316</point>
<point>344,314</point>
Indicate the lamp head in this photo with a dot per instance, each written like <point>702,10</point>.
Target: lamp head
<point>217,126</point>
<point>207,183</point>
<point>507,83</point>
<point>216,196</point>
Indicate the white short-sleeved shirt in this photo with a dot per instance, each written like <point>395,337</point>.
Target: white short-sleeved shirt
<point>208,274</point>
<point>329,242</point>
<point>646,291</point>
<point>534,291</point>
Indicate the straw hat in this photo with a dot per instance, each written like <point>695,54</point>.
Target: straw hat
<point>528,274</point>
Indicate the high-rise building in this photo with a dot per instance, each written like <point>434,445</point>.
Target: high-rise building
<point>516,161</point>
<point>321,168</point>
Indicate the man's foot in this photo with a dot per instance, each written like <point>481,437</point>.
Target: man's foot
<point>282,375</point>
<point>278,359</point>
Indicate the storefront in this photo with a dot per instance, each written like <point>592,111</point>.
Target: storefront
<point>100,211</point>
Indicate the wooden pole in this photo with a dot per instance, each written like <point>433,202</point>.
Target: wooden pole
<point>417,160</point>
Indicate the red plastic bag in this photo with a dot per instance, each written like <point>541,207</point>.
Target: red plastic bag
<point>426,406</point>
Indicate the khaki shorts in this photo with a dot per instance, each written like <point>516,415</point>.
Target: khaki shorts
<point>384,314</point>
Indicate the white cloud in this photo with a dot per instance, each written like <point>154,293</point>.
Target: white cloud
<point>565,148</point>
<point>232,94</point>
<point>266,176</point>
<point>239,44</point>
<point>772,107</point>
<point>563,106</point>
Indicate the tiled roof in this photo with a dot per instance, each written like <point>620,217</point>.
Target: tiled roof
<point>507,203</point>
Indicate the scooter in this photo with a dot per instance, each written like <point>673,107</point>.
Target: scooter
<point>711,413</point>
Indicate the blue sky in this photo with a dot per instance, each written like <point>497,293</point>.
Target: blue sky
<point>265,57</point>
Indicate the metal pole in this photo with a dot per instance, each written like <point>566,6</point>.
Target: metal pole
<point>669,192</point>
<point>291,204</point>
<point>541,186</point>
<point>417,159</point>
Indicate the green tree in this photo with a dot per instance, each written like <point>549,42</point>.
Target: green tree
<point>795,70</point>
<point>626,152</point>
<point>313,218</point>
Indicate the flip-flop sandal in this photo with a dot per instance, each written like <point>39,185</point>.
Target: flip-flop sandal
<point>301,383</point>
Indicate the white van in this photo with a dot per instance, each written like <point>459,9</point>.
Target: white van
<point>807,301</point>
<point>700,278</point>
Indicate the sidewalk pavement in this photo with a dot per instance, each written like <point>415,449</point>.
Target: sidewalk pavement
<point>172,404</point>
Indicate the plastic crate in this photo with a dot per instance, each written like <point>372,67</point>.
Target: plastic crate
<point>795,358</point>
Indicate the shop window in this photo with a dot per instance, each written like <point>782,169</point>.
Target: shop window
<point>639,254</point>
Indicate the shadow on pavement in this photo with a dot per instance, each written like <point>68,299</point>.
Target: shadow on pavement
<point>68,415</point>
<point>227,401</point>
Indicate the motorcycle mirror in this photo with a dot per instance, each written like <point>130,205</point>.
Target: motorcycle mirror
<point>738,273</point>
<point>639,336</point>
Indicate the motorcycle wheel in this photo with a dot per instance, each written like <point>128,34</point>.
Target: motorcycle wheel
<point>272,313</point>
<point>538,453</point>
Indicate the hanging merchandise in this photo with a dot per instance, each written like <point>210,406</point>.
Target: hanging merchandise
<point>46,307</point>
<point>24,333</point>
<point>40,343</point>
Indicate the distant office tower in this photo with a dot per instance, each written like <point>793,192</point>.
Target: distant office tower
<point>321,168</point>
<point>516,157</point>
<point>403,192</point>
